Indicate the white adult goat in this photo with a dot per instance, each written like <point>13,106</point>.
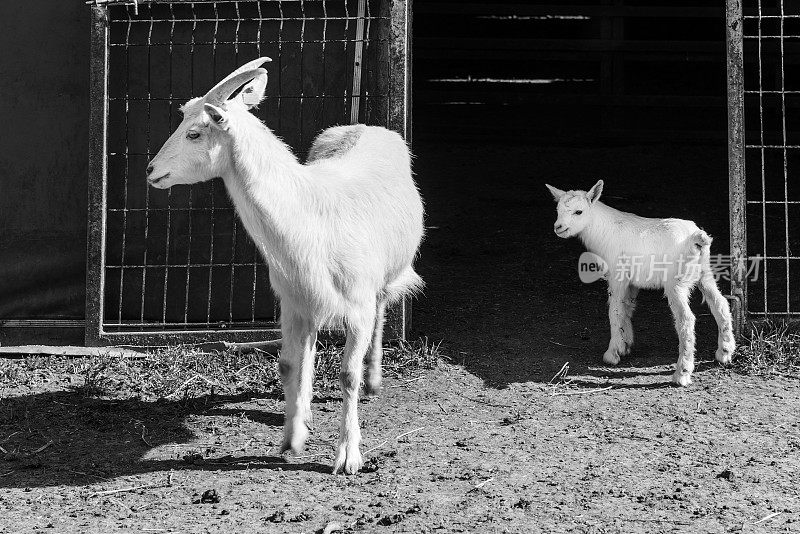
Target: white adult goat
<point>339,233</point>
<point>668,254</point>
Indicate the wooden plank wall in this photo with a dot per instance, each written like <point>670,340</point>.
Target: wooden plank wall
<point>609,69</point>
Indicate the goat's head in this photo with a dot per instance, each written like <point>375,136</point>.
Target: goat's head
<point>197,150</point>
<point>574,209</point>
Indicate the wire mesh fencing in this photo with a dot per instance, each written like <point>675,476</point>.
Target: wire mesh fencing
<point>177,263</point>
<point>769,182</point>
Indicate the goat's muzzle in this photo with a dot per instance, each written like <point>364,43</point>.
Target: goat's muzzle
<point>154,181</point>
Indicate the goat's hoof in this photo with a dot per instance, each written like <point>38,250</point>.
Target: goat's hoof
<point>725,352</point>
<point>723,356</point>
<point>682,379</point>
<point>372,390</point>
<point>348,460</point>
<point>296,441</point>
<point>611,357</point>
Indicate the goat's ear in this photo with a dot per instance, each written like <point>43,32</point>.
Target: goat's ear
<point>595,191</point>
<point>556,192</point>
<point>215,116</point>
<point>252,94</point>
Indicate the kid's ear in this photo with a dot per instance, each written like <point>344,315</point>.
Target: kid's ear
<point>215,116</point>
<point>556,192</point>
<point>595,192</point>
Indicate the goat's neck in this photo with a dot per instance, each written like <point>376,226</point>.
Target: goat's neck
<point>267,186</point>
<point>598,236</point>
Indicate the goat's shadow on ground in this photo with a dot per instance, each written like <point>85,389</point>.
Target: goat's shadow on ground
<point>631,378</point>
<point>84,440</point>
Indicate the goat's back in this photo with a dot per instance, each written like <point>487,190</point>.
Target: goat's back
<point>651,252</point>
<point>364,176</point>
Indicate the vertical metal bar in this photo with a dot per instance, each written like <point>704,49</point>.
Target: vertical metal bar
<point>213,206</point>
<point>355,103</point>
<point>189,211</point>
<point>149,150</point>
<point>256,254</point>
<point>147,196</point>
<point>302,69</point>
<point>368,46</point>
<point>233,217</point>
<point>98,168</point>
<point>398,317</point>
<point>324,63</point>
<point>127,164</point>
<point>785,166</point>
<point>280,66</point>
<point>399,68</point>
<point>763,162</point>
<point>736,162</point>
<point>344,43</point>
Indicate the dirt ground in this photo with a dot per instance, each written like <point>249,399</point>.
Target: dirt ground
<point>482,443</point>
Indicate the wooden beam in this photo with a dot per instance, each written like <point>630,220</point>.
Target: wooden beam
<point>526,9</point>
<point>70,351</point>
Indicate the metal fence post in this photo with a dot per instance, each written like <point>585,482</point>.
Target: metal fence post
<point>736,163</point>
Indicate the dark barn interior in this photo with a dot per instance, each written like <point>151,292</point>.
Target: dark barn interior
<point>516,95</point>
<point>633,92</point>
<point>507,96</point>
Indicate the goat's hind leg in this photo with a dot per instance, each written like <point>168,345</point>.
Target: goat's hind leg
<point>296,366</point>
<point>720,309</point>
<point>360,328</point>
<point>373,379</point>
<point>678,298</point>
<point>616,319</point>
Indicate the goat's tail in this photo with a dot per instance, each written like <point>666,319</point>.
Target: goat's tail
<point>408,283</point>
<point>701,242</point>
<point>701,239</point>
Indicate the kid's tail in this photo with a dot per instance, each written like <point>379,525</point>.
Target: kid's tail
<point>701,239</point>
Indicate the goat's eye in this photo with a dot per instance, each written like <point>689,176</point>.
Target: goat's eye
<point>192,135</point>
<point>578,212</point>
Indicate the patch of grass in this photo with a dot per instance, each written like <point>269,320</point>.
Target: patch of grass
<point>773,348</point>
<point>400,359</point>
<point>185,372</point>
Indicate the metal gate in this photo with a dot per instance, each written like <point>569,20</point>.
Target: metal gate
<point>764,157</point>
<point>176,265</point>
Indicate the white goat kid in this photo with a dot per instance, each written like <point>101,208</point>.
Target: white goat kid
<point>339,233</point>
<point>643,253</point>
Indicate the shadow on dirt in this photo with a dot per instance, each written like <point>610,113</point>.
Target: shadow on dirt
<point>67,438</point>
<point>502,290</point>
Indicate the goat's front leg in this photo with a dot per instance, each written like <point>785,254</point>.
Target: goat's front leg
<point>616,319</point>
<point>678,298</point>
<point>296,366</point>
<point>629,306</point>
<point>372,383</point>
<point>360,328</point>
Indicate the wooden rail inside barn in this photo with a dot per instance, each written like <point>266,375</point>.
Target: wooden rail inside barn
<point>610,68</point>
